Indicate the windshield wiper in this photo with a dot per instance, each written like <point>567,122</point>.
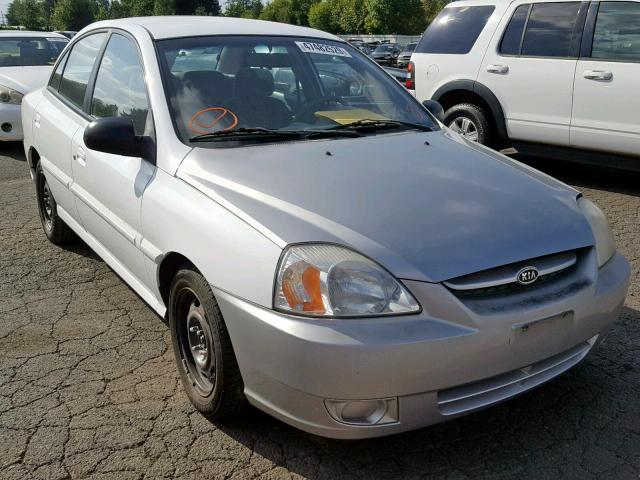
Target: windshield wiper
<point>245,132</point>
<point>259,132</point>
<point>370,125</point>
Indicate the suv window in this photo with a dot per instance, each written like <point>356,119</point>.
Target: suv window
<point>550,29</point>
<point>512,38</point>
<point>455,30</point>
<point>617,32</point>
<point>119,89</point>
<point>77,71</point>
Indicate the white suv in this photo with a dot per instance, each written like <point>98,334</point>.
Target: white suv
<point>550,78</point>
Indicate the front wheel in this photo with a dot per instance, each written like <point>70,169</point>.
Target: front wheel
<point>470,121</point>
<point>202,347</point>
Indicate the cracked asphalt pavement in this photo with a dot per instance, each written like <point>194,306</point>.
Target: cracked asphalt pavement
<point>88,386</point>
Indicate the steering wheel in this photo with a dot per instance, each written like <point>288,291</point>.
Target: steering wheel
<point>311,107</point>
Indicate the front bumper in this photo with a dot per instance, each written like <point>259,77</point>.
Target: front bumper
<point>10,115</point>
<point>451,359</point>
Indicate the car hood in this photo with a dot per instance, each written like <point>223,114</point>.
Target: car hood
<point>25,79</point>
<point>428,206</point>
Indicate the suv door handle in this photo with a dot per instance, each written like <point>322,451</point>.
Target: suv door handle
<point>501,69</point>
<point>36,120</point>
<point>598,75</point>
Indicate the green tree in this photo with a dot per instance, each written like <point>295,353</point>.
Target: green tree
<point>432,8</point>
<point>73,14</point>
<point>321,17</point>
<point>164,7</point>
<point>349,15</point>
<point>277,11</point>
<point>27,13</point>
<point>394,16</point>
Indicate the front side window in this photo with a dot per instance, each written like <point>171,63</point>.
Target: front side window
<point>30,51</point>
<point>455,30</point>
<point>550,29</point>
<point>617,31</point>
<point>120,89</point>
<point>77,70</point>
<point>512,38</point>
<point>288,84</point>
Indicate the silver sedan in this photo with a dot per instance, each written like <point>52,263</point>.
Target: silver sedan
<point>322,247</point>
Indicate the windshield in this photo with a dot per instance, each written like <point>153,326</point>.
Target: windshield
<point>384,48</point>
<point>231,83</point>
<point>30,51</point>
<point>411,47</point>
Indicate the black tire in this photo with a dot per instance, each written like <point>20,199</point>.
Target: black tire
<point>54,227</point>
<point>475,114</point>
<point>211,379</point>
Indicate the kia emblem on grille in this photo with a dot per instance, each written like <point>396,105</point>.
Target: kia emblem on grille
<point>527,275</point>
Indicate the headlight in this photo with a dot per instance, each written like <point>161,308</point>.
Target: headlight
<point>605,243</point>
<point>9,95</point>
<point>330,281</point>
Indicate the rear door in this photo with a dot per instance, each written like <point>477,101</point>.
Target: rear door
<point>109,187</point>
<point>59,116</point>
<point>606,100</point>
<point>530,66</point>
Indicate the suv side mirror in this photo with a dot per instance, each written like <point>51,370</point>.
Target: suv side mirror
<point>435,109</point>
<point>113,135</point>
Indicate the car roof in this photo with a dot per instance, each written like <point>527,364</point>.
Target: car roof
<point>27,33</point>
<point>194,26</point>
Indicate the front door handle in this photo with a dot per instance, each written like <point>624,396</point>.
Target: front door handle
<point>501,69</point>
<point>601,75</point>
<point>80,156</point>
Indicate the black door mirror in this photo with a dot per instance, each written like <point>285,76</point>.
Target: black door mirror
<point>435,109</point>
<point>113,135</point>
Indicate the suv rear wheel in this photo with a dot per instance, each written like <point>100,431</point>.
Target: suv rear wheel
<point>470,121</point>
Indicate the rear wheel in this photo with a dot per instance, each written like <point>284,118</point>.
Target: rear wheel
<point>54,227</point>
<point>202,347</point>
<point>470,121</point>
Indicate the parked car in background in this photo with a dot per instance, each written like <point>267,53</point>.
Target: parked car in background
<point>552,78</point>
<point>445,278</point>
<point>67,33</point>
<point>386,53</point>
<point>404,57</point>
<point>26,60</point>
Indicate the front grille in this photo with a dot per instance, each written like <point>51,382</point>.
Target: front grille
<point>502,280</point>
<point>472,396</point>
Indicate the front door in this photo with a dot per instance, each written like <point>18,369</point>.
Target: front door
<point>109,187</point>
<point>606,100</point>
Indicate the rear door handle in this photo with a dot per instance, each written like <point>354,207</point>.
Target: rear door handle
<point>36,120</point>
<point>80,156</point>
<point>501,69</point>
<point>598,75</point>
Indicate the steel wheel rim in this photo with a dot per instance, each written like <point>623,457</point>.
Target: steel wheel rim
<point>465,127</point>
<point>47,204</point>
<point>197,350</point>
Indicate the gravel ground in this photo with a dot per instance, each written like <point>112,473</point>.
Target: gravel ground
<point>88,386</point>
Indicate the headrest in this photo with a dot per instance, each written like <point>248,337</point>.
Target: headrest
<point>254,82</point>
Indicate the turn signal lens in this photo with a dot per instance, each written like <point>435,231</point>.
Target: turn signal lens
<point>332,281</point>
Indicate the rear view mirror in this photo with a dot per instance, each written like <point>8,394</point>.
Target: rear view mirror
<point>435,109</point>
<point>114,135</point>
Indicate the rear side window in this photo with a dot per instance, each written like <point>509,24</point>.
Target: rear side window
<point>455,30</point>
<point>57,75</point>
<point>550,29</point>
<point>617,32</point>
<point>510,44</point>
<point>77,71</point>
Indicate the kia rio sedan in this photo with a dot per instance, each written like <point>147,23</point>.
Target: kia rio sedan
<point>322,247</point>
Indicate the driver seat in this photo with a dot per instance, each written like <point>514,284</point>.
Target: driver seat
<point>254,105</point>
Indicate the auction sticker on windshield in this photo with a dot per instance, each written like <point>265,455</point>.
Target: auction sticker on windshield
<point>322,48</point>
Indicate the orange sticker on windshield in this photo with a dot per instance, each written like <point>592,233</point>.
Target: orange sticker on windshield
<point>203,121</point>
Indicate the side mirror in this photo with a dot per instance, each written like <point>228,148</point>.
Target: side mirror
<point>113,135</point>
<point>435,109</point>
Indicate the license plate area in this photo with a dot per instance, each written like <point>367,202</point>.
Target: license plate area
<point>545,331</point>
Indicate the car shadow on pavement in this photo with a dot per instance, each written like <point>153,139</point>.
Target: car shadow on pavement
<point>13,150</point>
<point>585,422</point>
<point>586,175</point>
